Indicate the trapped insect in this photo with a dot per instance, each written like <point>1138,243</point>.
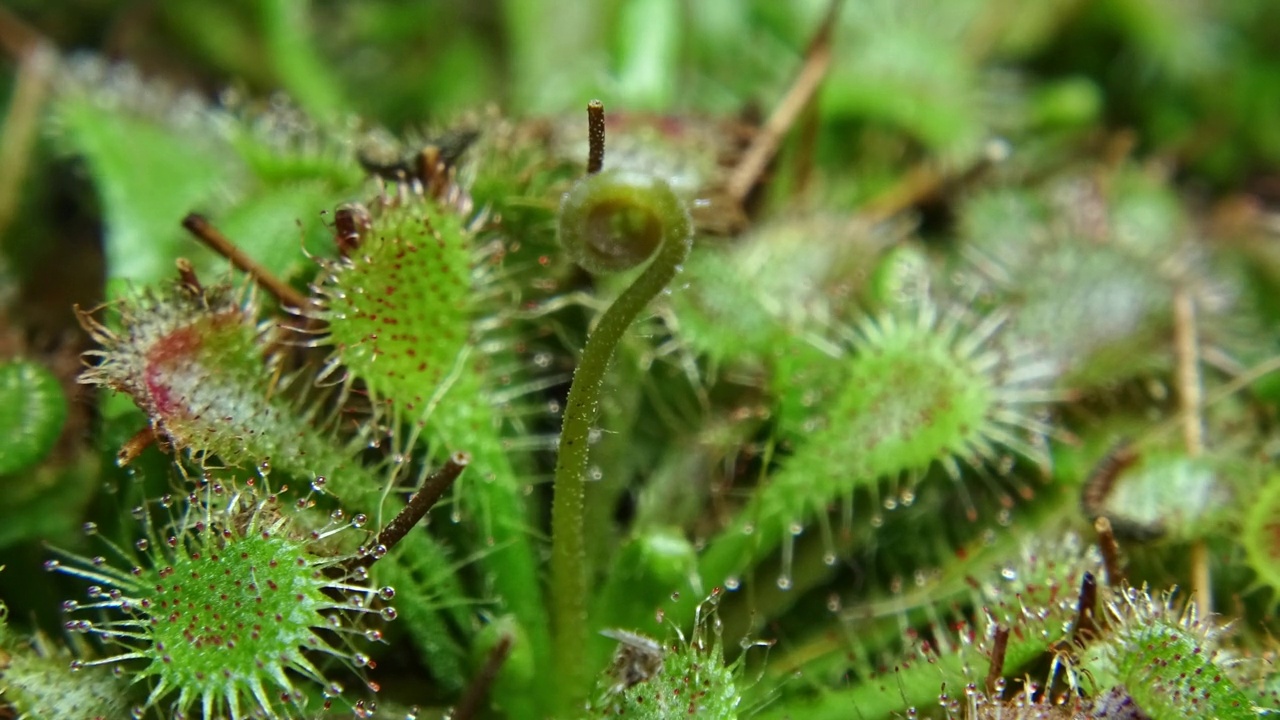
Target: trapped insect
<point>637,659</point>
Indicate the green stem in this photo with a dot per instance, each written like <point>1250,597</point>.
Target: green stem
<point>296,62</point>
<point>568,551</point>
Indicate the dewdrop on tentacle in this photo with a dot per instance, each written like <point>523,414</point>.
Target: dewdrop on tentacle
<point>1169,659</point>
<point>412,313</point>
<point>913,388</point>
<point>198,362</point>
<point>1020,612</point>
<point>228,608</point>
<point>39,679</point>
<point>684,677</point>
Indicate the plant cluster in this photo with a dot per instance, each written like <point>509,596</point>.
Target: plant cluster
<point>956,402</point>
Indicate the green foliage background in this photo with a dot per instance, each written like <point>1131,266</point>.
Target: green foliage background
<point>992,205</point>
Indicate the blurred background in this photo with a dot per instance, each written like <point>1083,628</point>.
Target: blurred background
<point>1193,83</point>
<point>1194,78</point>
<point>1168,109</point>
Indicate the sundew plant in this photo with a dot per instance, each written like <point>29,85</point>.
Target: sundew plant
<point>530,359</point>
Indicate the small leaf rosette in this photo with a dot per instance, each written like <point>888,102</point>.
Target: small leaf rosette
<point>230,606</point>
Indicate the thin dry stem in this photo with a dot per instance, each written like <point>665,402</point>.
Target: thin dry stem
<point>1190,394</point>
<point>764,145</point>
<point>17,38</point>
<point>1086,624</point>
<point>1191,402</point>
<point>205,232</point>
<point>433,488</point>
<point>472,701</point>
<point>1238,383</point>
<point>999,645</point>
<point>133,447</point>
<point>595,137</point>
<point>1110,551</point>
<point>1097,486</point>
<point>187,275</point>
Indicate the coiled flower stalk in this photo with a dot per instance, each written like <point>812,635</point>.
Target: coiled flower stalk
<point>610,220</point>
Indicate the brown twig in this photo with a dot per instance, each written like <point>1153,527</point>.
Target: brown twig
<point>999,645</point>
<point>917,185</point>
<point>1110,551</point>
<point>433,488</point>
<point>1237,383</point>
<point>923,183</point>
<point>134,446</point>
<point>1097,487</point>
<point>1191,402</point>
<point>765,144</point>
<point>472,701</point>
<point>595,137</point>
<point>205,232</point>
<point>1086,625</point>
<point>803,167</point>
<point>1093,495</point>
<point>187,275</point>
<point>17,38</point>
<point>1190,395</point>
